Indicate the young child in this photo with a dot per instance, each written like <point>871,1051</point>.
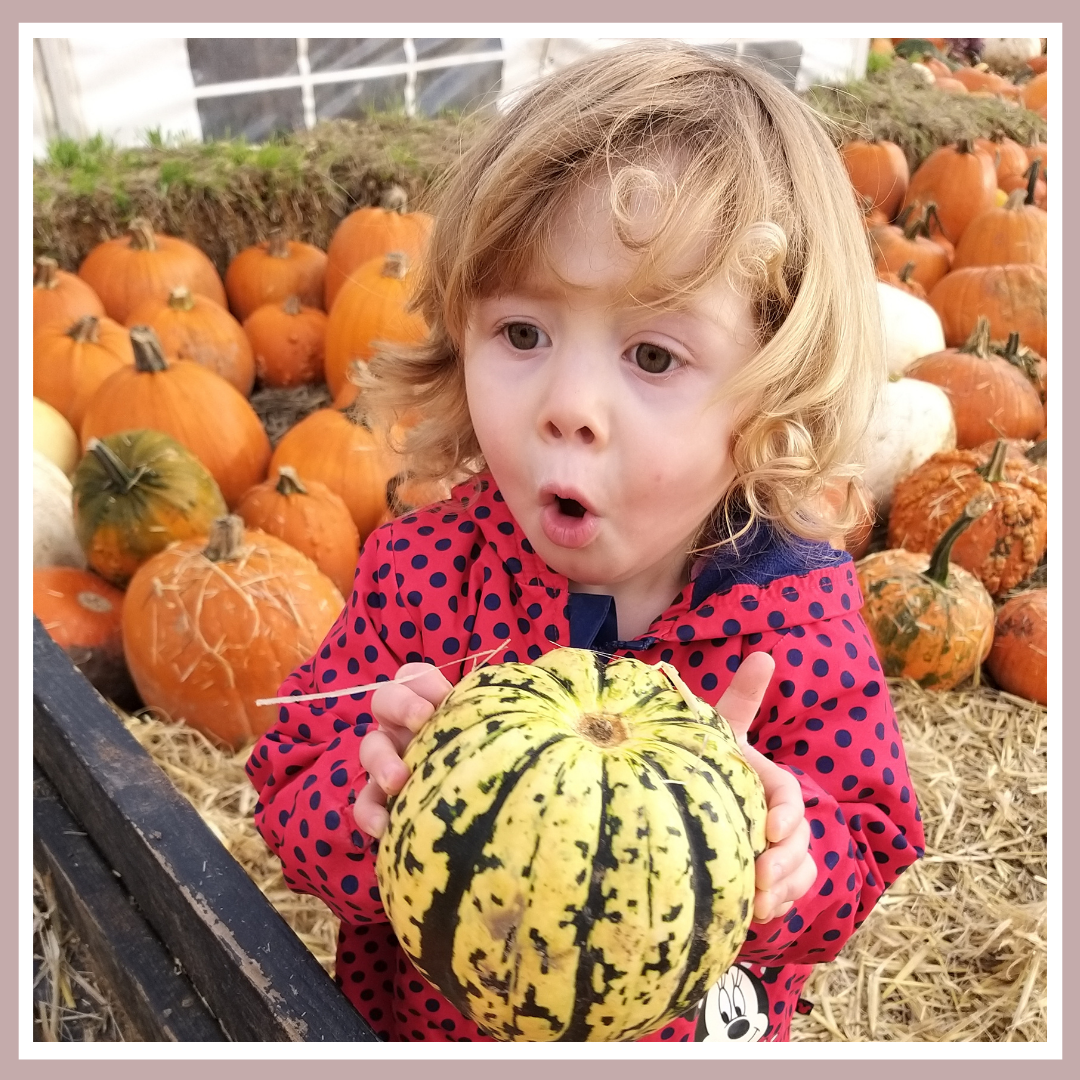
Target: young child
<point>653,340</point>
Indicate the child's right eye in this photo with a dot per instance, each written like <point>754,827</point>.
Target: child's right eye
<point>522,335</point>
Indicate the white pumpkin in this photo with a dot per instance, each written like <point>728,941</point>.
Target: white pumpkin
<point>910,326</point>
<point>55,437</point>
<point>55,542</point>
<point>913,419</point>
<point>924,72</point>
<point>1009,55</point>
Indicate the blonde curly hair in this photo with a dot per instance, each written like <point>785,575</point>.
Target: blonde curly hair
<point>740,167</point>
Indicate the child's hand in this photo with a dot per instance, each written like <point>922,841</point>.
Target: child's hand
<point>402,709</point>
<point>785,870</point>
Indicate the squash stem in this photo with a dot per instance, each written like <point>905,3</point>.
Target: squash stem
<point>226,538</point>
<point>278,247</point>
<point>993,472</point>
<point>288,482</point>
<point>978,343</point>
<point>1036,453</point>
<point>180,299</point>
<point>142,235</point>
<point>938,570</point>
<point>149,355</point>
<point>395,265</point>
<point>394,198</point>
<point>45,269</point>
<point>84,329</point>
<point>120,476</point>
<point>1032,179</point>
<point>292,305</point>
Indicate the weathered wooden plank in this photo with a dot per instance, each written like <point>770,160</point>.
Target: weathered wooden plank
<point>253,972</point>
<point>158,1001</point>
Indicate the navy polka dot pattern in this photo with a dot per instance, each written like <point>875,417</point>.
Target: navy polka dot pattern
<point>458,577</point>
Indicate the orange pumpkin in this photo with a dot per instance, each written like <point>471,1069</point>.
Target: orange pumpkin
<point>1012,298</point>
<point>211,626</point>
<point>271,272</point>
<point>71,363</point>
<point>192,327</point>
<point>1012,233</point>
<point>959,180</point>
<point>909,242</point>
<point>977,79</point>
<point>193,404</point>
<point>903,279</point>
<point>308,515</point>
<point>879,172</point>
<point>1033,92</point>
<point>289,343</point>
<point>338,449</point>
<point>931,620</point>
<point>1006,544</point>
<point>60,297</point>
<point>372,232</point>
<point>1026,360</point>
<point>133,494</point>
<point>371,308</point>
<point>948,85</point>
<point>1036,151</point>
<point>405,493</point>
<point>145,265</point>
<point>1017,660</point>
<point>990,397</point>
<point>1008,155</point>
<point>81,613</point>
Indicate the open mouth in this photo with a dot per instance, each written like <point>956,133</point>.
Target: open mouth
<point>570,507</point>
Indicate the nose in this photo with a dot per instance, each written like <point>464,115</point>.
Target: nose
<point>575,402</point>
<point>738,1028</point>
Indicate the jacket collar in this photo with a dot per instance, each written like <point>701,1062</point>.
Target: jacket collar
<point>767,582</point>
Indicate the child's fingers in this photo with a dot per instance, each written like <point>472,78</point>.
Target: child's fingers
<point>739,702</point>
<point>425,680</point>
<point>783,860</point>
<point>398,705</point>
<point>381,759</point>
<point>771,903</point>
<point>783,796</point>
<point>369,810</point>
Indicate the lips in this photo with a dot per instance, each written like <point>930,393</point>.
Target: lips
<point>566,517</point>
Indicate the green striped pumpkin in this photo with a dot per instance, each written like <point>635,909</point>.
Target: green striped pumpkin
<point>572,856</point>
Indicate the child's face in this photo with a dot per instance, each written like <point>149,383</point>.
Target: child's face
<point>604,422</point>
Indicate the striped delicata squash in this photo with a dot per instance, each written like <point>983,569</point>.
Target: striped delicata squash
<point>572,857</point>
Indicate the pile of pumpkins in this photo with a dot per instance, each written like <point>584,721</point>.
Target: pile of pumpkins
<point>183,562</point>
<point>960,246</point>
<point>188,565</point>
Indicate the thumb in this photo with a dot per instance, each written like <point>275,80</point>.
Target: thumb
<point>739,702</point>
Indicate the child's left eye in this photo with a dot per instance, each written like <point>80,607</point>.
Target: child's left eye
<point>652,358</point>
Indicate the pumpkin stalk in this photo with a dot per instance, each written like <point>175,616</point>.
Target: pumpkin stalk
<point>45,272</point>
<point>149,355</point>
<point>993,472</point>
<point>1032,179</point>
<point>226,538</point>
<point>278,247</point>
<point>1036,453</point>
<point>142,234</point>
<point>180,299</point>
<point>394,198</point>
<point>292,305</point>
<point>905,272</point>
<point>978,343</point>
<point>938,570</point>
<point>396,265</point>
<point>289,483</point>
<point>119,475</point>
<point>84,330</point>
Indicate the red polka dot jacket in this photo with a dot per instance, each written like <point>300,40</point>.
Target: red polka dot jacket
<point>459,577</point>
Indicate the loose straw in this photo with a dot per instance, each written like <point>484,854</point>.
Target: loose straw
<point>486,655</point>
